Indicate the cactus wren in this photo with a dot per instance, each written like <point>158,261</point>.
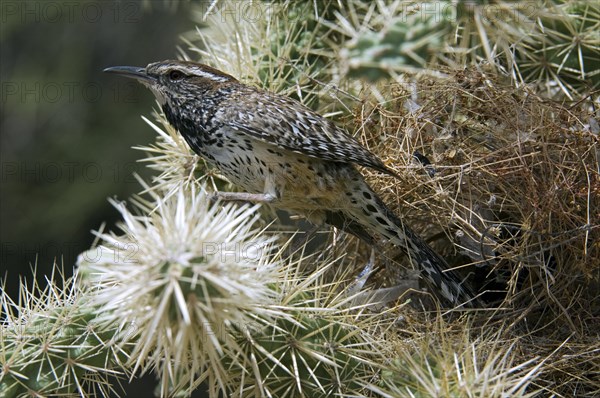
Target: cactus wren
<point>282,153</point>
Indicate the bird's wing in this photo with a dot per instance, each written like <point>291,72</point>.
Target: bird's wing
<point>286,123</point>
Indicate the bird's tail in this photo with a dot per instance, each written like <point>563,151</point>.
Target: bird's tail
<point>370,211</point>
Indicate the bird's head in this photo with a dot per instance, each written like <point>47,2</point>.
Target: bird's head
<point>174,82</point>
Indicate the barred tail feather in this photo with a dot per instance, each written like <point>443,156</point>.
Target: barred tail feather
<point>379,219</point>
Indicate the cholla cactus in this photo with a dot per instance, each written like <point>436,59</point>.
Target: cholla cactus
<point>177,166</point>
<point>405,43</point>
<point>181,277</point>
<point>566,60</point>
<point>443,363</point>
<point>311,354</point>
<point>196,292</point>
<point>285,47</point>
<point>328,346</point>
<point>553,44</point>
<point>51,344</point>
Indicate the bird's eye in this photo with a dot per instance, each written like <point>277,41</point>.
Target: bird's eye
<point>175,75</point>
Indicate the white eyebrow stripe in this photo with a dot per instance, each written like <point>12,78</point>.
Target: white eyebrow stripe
<point>202,73</point>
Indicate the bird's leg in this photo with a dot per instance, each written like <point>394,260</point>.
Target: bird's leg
<point>243,197</point>
<point>379,298</point>
<point>270,194</point>
<point>361,279</point>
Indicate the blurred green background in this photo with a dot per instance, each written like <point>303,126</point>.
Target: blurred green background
<point>66,128</point>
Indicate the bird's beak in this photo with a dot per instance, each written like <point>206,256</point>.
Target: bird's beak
<point>133,72</point>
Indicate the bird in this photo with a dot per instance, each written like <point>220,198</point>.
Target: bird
<point>279,152</point>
